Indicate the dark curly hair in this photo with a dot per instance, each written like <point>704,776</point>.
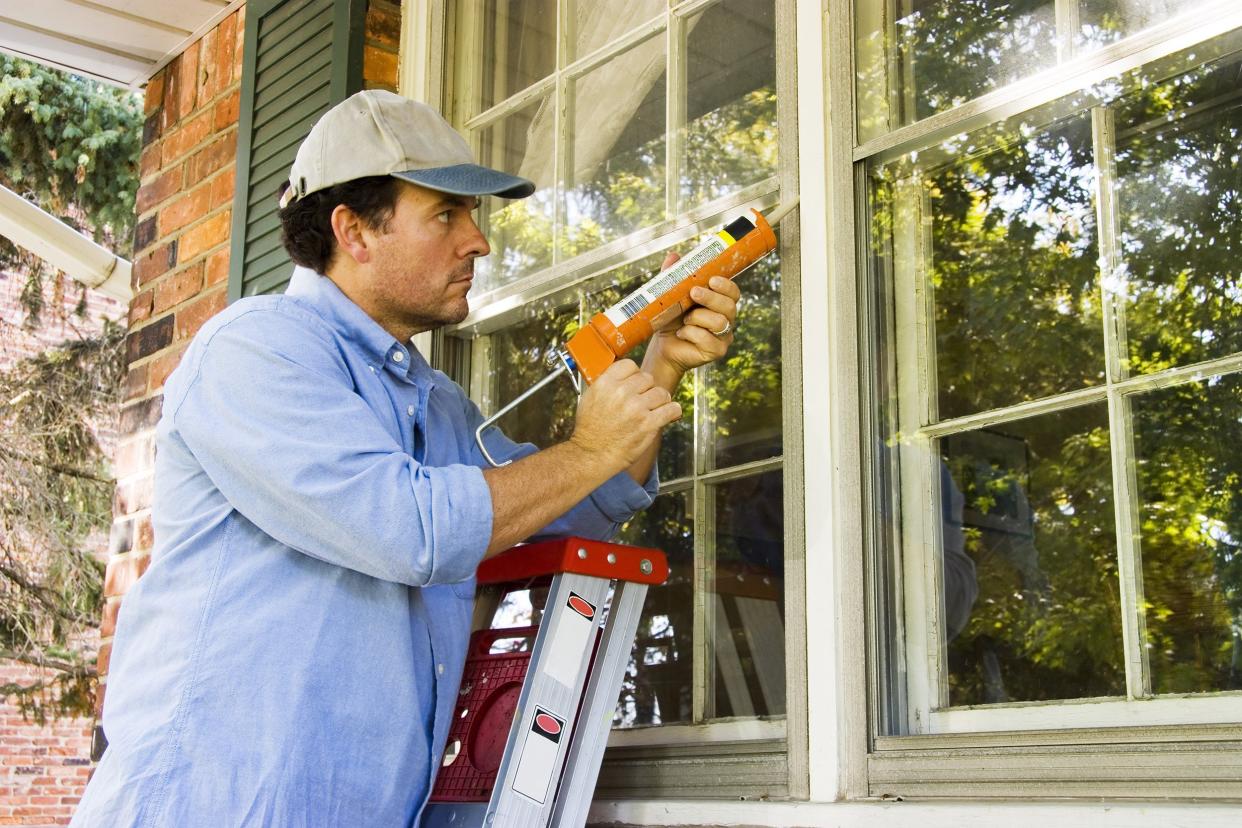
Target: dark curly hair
<point>306,224</point>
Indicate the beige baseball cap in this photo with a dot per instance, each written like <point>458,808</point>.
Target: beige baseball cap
<point>380,133</point>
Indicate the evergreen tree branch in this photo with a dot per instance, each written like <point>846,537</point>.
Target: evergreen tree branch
<point>65,668</point>
<point>59,468</point>
<point>46,597</point>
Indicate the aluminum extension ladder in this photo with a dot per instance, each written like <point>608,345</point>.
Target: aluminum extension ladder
<point>532,720</point>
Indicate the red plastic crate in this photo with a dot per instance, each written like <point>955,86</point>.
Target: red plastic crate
<point>490,686</point>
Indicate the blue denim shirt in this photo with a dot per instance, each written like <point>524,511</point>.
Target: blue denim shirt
<point>293,653</point>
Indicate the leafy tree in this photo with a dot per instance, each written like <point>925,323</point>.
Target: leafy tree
<point>71,146</point>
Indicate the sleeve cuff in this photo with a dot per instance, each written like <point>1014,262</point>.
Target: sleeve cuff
<point>620,497</point>
<point>460,545</point>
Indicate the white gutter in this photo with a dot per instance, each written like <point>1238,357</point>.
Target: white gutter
<point>61,246</point>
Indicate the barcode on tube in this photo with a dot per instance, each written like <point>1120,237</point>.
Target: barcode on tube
<point>633,306</point>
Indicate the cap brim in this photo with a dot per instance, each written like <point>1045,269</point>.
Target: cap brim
<point>469,179</point>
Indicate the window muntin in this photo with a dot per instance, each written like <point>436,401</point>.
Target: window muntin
<point>917,58</point>
<point>1089,552</point>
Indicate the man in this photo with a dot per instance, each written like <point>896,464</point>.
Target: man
<point>292,656</point>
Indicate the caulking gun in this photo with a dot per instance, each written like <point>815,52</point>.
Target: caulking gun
<point>629,323</point>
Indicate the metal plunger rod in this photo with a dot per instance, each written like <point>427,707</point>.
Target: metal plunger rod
<point>478,433</point>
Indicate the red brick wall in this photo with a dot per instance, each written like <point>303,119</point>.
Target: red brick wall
<point>181,255</point>
<point>43,768</point>
<point>181,266</point>
<point>383,36</point>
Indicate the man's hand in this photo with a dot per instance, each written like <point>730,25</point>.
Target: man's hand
<point>618,427</point>
<point>621,414</point>
<point>695,338</point>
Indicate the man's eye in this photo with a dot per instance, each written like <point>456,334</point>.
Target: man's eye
<point>444,216</point>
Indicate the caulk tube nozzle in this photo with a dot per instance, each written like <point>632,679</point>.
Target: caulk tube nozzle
<point>782,210</point>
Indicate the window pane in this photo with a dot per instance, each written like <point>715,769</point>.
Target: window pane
<point>1188,468</point>
<point>748,603</point>
<point>937,54</point>
<point>1005,243</point>
<point>744,391</point>
<point>1027,508</point>
<point>657,685</point>
<point>518,358</point>
<point>730,138</point>
<point>519,230</point>
<point>520,40</point>
<point>1107,21</point>
<point>599,22</point>
<point>618,146</point>
<point>677,442</point>
<point>1180,203</point>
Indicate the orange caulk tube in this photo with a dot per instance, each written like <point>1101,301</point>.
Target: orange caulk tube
<point>629,323</point>
<point>617,331</point>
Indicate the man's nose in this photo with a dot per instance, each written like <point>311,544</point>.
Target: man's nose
<point>475,243</point>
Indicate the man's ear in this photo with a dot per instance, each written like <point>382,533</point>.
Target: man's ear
<point>351,239</point>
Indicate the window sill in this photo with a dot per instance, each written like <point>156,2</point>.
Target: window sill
<point>1138,763</point>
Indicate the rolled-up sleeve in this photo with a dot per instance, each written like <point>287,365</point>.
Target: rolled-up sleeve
<point>296,450</point>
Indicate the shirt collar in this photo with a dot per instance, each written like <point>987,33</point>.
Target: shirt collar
<point>340,311</point>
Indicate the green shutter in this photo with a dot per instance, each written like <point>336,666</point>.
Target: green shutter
<point>301,57</point>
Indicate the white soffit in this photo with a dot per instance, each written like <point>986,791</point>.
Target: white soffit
<point>123,42</point>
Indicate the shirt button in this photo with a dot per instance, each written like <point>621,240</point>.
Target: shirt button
<point>372,367</point>
<point>410,410</point>
<point>398,356</point>
<point>440,669</point>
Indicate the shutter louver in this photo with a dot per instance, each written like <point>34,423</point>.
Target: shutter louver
<point>301,57</point>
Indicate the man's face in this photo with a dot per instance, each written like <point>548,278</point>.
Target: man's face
<point>423,266</point>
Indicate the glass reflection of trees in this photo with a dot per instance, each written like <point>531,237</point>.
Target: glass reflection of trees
<point>1017,316</point>
<point>1037,520</point>
<point>1186,446</point>
<point>943,53</point>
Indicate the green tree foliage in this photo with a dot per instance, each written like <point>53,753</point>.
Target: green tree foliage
<point>69,145</point>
